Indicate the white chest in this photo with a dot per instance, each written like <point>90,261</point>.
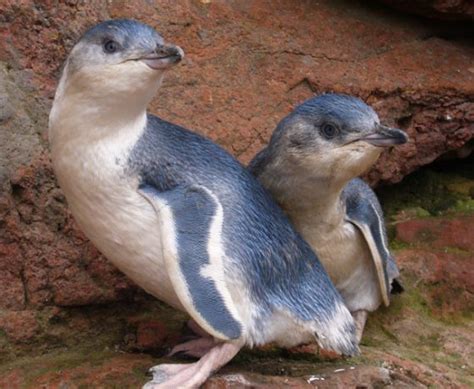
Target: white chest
<point>107,206</point>
<point>347,259</point>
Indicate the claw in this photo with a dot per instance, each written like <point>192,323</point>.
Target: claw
<point>158,376</point>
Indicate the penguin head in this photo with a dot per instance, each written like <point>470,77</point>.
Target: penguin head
<point>332,137</point>
<point>119,58</point>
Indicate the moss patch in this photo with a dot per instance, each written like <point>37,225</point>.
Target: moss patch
<point>411,330</point>
<point>442,188</point>
<point>80,366</point>
<point>101,325</point>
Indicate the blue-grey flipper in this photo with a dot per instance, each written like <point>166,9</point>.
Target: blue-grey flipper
<point>191,224</point>
<point>364,211</point>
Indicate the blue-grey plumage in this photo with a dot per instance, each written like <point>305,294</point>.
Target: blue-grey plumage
<point>262,249</point>
<point>364,210</point>
<point>178,214</point>
<point>309,167</point>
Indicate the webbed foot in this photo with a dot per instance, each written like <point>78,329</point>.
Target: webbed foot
<point>196,348</point>
<point>188,376</point>
<point>360,317</point>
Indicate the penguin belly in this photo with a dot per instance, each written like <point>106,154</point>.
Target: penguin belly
<point>106,204</point>
<point>346,257</point>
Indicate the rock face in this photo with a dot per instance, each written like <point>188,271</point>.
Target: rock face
<point>247,64</point>
<point>439,9</point>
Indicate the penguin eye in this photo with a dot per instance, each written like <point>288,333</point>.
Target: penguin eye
<point>329,131</point>
<point>111,46</point>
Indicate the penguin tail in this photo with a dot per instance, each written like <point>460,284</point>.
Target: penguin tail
<point>338,332</point>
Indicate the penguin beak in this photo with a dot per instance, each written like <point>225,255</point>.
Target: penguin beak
<point>164,56</point>
<point>385,136</point>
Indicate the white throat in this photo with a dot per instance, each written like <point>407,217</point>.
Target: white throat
<point>309,188</point>
<point>316,204</point>
<point>85,111</point>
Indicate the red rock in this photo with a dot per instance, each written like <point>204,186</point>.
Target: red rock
<point>340,377</point>
<point>440,9</point>
<point>58,264</point>
<point>117,371</point>
<point>449,275</point>
<point>439,232</point>
<point>421,375</point>
<point>19,326</point>
<point>13,379</point>
<point>314,349</point>
<point>11,285</point>
<point>10,258</point>
<point>436,267</point>
<point>247,64</point>
<point>358,377</point>
<point>234,381</point>
<point>151,334</point>
<point>12,291</point>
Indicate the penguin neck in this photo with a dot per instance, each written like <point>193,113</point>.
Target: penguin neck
<point>312,203</point>
<point>84,114</point>
<point>75,120</point>
<point>316,205</point>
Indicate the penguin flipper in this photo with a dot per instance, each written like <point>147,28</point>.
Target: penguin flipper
<point>190,228</point>
<point>364,211</point>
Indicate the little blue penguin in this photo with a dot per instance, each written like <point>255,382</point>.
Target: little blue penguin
<point>179,215</point>
<point>310,166</point>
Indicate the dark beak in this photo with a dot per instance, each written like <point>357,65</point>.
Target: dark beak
<point>164,56</point>
<point>385,136</point>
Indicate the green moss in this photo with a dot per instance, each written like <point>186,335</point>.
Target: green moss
<point>431,341</point>
<point>98,327</point>
<point>5,348</point>
<point>459,252</point>
<point>416,300</point>
<point>139,372</point>
<point>431,191</point>
<point>57,361</point>
<point>398,245</point>
<point>467,379</point>
<point>465,205</point>
<point>460,186</point>
<point>421,212</point>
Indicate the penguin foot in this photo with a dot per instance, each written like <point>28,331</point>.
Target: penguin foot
<point>196,329</point>
<point>196,348</point>
<point>360,317</point>
<point>193,375</point>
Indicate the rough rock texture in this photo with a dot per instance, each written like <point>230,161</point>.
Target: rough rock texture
<point>440,9</point>
<point>248,63</point>
<point>439,232</point>
<point>243,72</point>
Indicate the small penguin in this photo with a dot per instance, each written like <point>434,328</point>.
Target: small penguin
<point>178,214</point>
<point>309,166</point>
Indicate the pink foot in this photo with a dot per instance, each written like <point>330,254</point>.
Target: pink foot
<point>360,317</point>
<point>192,375</point>
<point>194,348</point>
<point>194,327</point>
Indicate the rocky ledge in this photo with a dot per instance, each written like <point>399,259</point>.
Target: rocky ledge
<point>67,317</point>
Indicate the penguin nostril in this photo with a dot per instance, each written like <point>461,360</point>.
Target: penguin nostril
<point>160,50</point>
<point>163,51</point>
